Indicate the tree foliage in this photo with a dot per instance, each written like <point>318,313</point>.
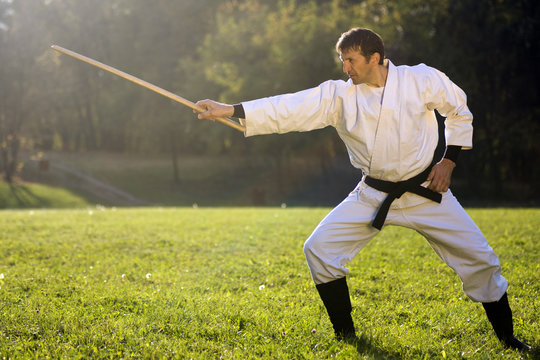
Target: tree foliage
<point>235,50</point>
<point>497,66</point>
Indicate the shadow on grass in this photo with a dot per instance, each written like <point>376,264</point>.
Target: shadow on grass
<point>25,197</point>
<point>365,346</point>
<point>534,353</point>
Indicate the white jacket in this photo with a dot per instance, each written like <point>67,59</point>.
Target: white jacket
<point>394,140</point>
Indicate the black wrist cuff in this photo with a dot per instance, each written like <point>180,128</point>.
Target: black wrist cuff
<point>452,152</point>
<point>239,111</point>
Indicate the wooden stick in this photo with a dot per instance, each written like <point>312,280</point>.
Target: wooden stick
<point>145,84</point>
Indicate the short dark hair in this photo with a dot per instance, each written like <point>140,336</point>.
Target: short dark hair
<point>365,40</point>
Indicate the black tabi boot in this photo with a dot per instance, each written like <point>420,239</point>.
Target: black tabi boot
<point>335,296</point>
<point>500,317</point>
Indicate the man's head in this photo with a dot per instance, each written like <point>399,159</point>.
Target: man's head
<point>362,54</point>
<point>363,40</point>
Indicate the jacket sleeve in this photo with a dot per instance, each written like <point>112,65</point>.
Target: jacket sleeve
<point>451,102</point>
<point>305,110</point>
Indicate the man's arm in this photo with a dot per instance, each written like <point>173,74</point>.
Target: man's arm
<point>304,110</point>
<point>441,174</point>
<point>451,102</point>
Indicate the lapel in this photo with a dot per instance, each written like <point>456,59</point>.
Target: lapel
<point>388,115</point>
<point>391,89</point>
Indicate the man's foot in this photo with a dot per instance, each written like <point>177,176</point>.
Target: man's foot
<point>500,316</point>
<point>515,344</point>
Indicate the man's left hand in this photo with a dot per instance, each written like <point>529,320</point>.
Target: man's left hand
<point>440,175</point>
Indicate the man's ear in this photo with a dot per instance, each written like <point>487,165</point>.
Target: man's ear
<point>376,57</point>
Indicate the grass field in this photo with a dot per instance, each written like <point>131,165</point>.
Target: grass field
<point>232,283</point>
<point>26,195</point>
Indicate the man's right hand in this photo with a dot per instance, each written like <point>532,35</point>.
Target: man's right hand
<point>214,109</point>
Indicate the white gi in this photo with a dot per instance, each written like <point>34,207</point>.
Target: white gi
<point>391,134</point>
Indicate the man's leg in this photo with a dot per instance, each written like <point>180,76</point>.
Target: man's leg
<point>336,300</point>
<point>500,316</point>
<point>335,241</point>
<point>462,246</point>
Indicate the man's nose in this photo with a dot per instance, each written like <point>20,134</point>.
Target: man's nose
<point>346,67</point>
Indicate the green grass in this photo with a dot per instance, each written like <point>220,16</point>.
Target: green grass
<point>16,196</point>
<point>232,283</point>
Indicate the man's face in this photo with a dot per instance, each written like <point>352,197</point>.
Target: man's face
<point>356,66</point>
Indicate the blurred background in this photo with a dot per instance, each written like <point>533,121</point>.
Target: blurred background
<point>68,125</point>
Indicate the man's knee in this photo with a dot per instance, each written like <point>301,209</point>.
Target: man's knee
<point>310,246</point>
<point>316,253</point>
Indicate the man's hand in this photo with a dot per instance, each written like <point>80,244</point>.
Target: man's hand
<point>440,175</point>
<point>214,109</point>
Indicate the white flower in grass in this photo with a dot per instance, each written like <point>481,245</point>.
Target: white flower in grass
<point>261,287</point>
<point>1,276</point>
<point>148,276</point>
<point>124,276</point>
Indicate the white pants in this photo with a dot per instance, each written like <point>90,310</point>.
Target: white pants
<point>447,227</point>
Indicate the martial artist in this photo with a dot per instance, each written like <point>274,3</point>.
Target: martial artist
<point>385,115</point>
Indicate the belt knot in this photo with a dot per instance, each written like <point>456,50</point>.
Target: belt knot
<point>396,189</point>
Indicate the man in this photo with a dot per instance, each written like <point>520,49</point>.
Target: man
<point>385,116</point>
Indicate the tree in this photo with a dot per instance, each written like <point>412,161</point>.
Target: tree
<point>492,53</point>
<point>236,50</point>
<point>17,57</point>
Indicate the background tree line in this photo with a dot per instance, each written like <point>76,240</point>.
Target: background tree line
<point>235,50</point>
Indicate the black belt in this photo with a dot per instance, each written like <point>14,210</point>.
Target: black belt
<point>396,189</point>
